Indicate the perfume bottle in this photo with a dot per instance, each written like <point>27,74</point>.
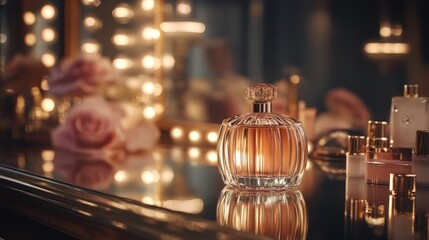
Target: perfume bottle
<point>355,157</point>
<point>276,214</point>
<point>407,115</point>
<point>402,204</point>
<point>381,160</point>
<point>261,149</point>
<point>420,160</point>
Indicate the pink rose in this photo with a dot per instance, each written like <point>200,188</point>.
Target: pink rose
<point>95,172</point>
<point>81,76</point>
<point>342,101</point>
<point>91,127</point>
<point>346,111</point>
<point>96,175</point>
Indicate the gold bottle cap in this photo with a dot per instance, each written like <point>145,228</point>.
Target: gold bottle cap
<point>262,92</point>
<point>422,143</point>
<point>411,90</point>
<point>356,145</point>
<point>376,129</point>
<point>402,184</point>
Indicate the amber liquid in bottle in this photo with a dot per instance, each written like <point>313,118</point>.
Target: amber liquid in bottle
<point>260,152</point>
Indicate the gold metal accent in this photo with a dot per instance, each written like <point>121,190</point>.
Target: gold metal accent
<point>356,145</point>
<point>411,90</point>
<point>376,129</point>
<point>402,184</point>
<point>263,92</point>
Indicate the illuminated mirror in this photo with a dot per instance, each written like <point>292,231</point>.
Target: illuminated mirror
<point>189,61</point>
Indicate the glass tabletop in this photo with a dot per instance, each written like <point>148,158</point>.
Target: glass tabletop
<point>327,205</point>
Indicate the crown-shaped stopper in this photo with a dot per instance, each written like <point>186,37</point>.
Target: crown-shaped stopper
<point>261,92</point>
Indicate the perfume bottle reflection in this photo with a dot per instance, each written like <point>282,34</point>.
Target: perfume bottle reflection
<point>280,215</point>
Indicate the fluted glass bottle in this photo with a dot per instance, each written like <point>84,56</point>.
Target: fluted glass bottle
<point>261,149</point>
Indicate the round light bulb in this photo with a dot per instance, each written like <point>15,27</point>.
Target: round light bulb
<point>194,136</point>
<point>150,176</point>
<point>148,88</point>
<point>121,176</point>
<point>149,112</point>
<point>150,33</point>
<point>194,152</point>
<point>150,62</point>
<point>29,18</point>
<point>48,59</point>
<point>122,63</point>
<point>123,13</point>
<point>385,31</point>
<point>212,137</point>
<point>176,132</point>
<point>48,12</point>
<point>48,35</point>
<point>148,5</point>
<point>48,167</point>
<point>184,8</point>
<point>90,46</point>
<point>48,104</point>
<point>30,39</point>
<point>122,39</point>
<point>48,155</point>
<point>211,156</point>
<point>92,23</point>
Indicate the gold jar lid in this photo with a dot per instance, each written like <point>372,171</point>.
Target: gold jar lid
<point>402,184</point>
<point>376,129</point>
<point>411,90</point>
<point>356,145</point>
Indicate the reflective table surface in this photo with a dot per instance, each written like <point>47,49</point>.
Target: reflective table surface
<point>185,179</point>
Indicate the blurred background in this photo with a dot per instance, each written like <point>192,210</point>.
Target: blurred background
<point>191,60</point>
